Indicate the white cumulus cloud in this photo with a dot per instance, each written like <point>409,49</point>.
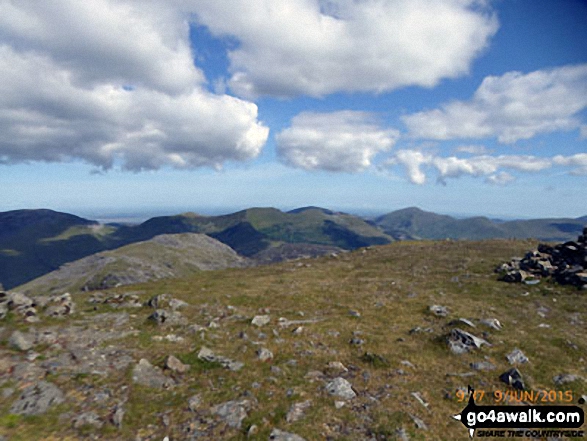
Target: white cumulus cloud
<point>492,168</point>
<point>344,141</point>
<point>511,107</point>
<point>318,47</point>
<point>113,82</point>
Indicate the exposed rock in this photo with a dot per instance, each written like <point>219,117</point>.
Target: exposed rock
<point>341,388</point>
<point>493,323</point>
<point>194,401</point>
<point>162,301</point>
<point>563,379</point>
<point>261,320</point>
<point>402,435</point>
<point>418,397</point>
<point>60,306</point>
<point>279,435</point>
<point>175,365</point>
<point>335,368</point>
<point>354,313</point>
<point>117,415</point>
<point>19,303</point>
<point>207,355</point>
<point>146,374</point>
<point>87,419</point>
<point>125,300</point>
<point>462,321</point>
<point>420,424</point>
<point>517,357</point>
<point>513,377</point>
<point>439,311</point>
<point>264,354</point>
<point>297,410</point>
<point>482,366</point>
<point>460,341</point>
<point>21,341</point>
<point>232,412</point>
<point>37,399</point>
<point>171,318</point>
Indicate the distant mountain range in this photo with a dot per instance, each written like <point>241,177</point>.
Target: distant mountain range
<point>413,223</point>
<point>36,242</point>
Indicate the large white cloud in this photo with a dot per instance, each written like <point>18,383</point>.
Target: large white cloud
<point>511,107</point>
<point>318,47</point>
<point>113,81</point>
<point>493,168</point>
<point>344,141</point>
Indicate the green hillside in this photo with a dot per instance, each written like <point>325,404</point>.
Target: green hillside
<point>34,242</point>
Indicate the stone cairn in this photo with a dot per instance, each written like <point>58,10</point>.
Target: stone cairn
<point>565,263</point>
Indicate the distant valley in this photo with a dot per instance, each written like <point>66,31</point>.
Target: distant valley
<point>36,242</point>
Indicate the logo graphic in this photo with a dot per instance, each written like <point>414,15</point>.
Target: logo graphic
<point>475,417</point>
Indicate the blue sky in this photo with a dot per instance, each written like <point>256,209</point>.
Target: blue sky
<point>459,106</point>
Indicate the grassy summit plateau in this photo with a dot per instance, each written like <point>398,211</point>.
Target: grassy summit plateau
<point>367,309</point>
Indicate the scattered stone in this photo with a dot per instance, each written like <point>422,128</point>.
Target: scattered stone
<point>261,320</point>
<point>460,341</point>
<point>513,377</point>
<point>298,330</point>
<point>517,357</point>
<point>60,306</point>
<point>335,368</point>
<point>420,424</point>
<point>562,379</point>
<point>354,313</point>
<point>439,311</point>
<point>492,323</point>
<point>482,366</point>
<point>408,364</point>
<point>173,364</point>
<point>297,410</point>
<point>162,301</point>
<point>171,318</point>
<point>87,419</point>
<point>232,412</point>
<point>420,400</point>
<point>341,388</point>
<point>19,303</point>
<point>117,416</point>
<point>146,374</point>
<point>253,430</point>
<point>194,402</point>
<point>339,404</point>
<point>207,355</point>
<point>194,329</point>
<point>462,321</point>
<point>22,342</point>
<point>356,341</point>
<point>278,435</point>
<point>37,399</point>
<point>402,435</point>
<point>264,354</point>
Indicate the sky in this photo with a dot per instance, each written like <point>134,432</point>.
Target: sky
<point>463,107</point>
